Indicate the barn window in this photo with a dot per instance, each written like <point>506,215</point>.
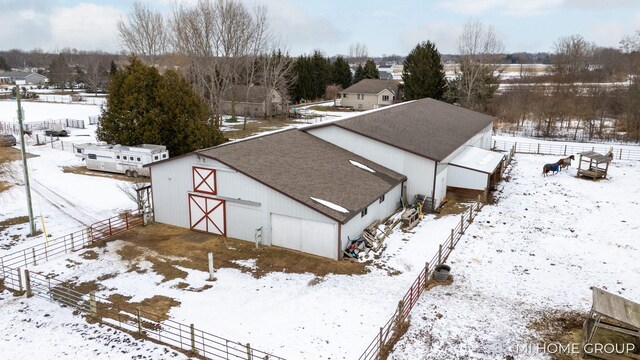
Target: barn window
<point>138,159</point>
<point>381,199</point>
<point>92,156</point>
<point>363,213</point>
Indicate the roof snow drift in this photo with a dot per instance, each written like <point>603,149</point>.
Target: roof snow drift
<point>478,159</point>
<point>309,170</point>
<point>425,127</point>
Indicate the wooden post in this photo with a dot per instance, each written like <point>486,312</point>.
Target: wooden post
<point>193,339</point>
<point>440,254</point>
<point>62,144</point>
<point>93,306</point>
<point>27,282</point>
<point>109,226</point>
<point>380,343</point>
<point>33,253</point>
<point>462,224</point>
<point>620,151</point>
<point>72,242</point>
<point>538,148</point>
<point>470,214</point>
<point>400,312</point>
<point>139,320</point>
<point>426,275</point>
<point>126,220</point>
<point>249,356</point>
<point>453,239</point>
<point>565,150</point>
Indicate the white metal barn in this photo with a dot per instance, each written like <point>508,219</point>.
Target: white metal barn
<point>420,139</point>
<point>288,189</point>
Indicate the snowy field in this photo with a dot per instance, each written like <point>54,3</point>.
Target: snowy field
<point>39,111</point>
<point>537,251</point>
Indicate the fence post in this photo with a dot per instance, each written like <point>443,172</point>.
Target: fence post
<point>212,276</point>
<point>20,279</point>
<point>193,339</point>
<point>451,242</point>
<point>620,157</point>
<point>72,242</point>
<point>453,237</point>
<point>380,343</point>
<point>426,274</point>
<point>62,144</point>
<point>33,253</point>
<point>27,282</point>
<point>109,227</point>
<point>126,219</point>
<point>440,254</point>
<point>93,306</point>
<point>538,148</point>
<point>249,356</point>
<point>139,320</point>
<point>565,149</point>
<point>400,312</point>
<point>462,224</point>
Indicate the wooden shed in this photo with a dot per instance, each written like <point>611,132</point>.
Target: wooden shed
<point>617,314</point>
<point>594,165</point>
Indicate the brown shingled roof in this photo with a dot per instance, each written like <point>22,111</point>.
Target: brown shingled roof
<point>425,127</point>
<point>373,86</point>
<point>302,166</point>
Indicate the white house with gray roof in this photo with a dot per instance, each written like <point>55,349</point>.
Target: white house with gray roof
<point>22,78</point>
<point>370,94</point>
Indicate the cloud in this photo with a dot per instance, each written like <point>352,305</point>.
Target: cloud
<point>25,24</point>
<point>86,26</point>
<point>600,4</point>
<point>443,34</point>
<point>510,7</point>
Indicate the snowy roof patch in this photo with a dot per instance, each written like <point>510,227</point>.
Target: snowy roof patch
<point>362,166</point>
<point>330,205</point>
<point>478,159</point>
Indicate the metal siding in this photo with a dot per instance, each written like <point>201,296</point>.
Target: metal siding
<point>441,184</point>
<point>418,170</point>
<point>376,211</point>
<point>466,179</point>
<point>171,182</point>
<point>482,140</point>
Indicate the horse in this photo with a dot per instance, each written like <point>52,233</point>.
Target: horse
<point>566,162</point>
<point>553,167</point>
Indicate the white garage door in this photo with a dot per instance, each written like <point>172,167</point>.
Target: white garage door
<point>309,236</point>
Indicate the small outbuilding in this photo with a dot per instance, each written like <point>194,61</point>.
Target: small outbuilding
<point>475,168</point>
<point>593,165</point>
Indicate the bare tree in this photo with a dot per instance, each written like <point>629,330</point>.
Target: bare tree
<point>144,33</point>
<point>358,53</point>
<point>221,39</point>
<point>276,75</point>
<point>94,74</point>
<point>572,56</point>
<point>479,49</point>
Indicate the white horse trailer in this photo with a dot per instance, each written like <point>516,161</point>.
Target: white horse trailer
<point>128,160</point>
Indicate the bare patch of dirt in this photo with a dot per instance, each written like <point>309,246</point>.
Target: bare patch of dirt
<point>89,255</point>
<point>160,264</point>
<point>154,308</point>
<point>560,326</point>
<point>191,249</point>
<point>253,127</point>
<point>9,154</point>
<point>82,170</point>
<point>14,221</point>
<point>4,185</point>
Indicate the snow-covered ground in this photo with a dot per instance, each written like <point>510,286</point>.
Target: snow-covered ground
<point>539,249</point>
<point>39,111</point>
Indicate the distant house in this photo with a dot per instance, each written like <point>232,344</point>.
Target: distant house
<point>385,75</point>
<point>22,78</point>
<point>253,100</point>
<point>370,94</point>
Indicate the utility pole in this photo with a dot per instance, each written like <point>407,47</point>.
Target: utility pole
<point>32,224</point>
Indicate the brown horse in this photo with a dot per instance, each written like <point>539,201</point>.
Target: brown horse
<point>566,162</point>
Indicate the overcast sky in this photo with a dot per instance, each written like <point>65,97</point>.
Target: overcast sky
<point>386,27</point>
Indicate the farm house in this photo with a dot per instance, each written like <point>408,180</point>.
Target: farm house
<point>421,139</point>
<point>288,189</point>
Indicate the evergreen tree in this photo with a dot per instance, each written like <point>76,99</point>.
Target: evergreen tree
<point>146,107</point>
<point>112,68</point>
<point>341,72</point>
<point>370,70</point>
<point>312,74</point>
<point>423,74</point>
<point>359,74</point>
<point>4,65</point>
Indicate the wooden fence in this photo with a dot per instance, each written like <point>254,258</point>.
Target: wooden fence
<point>391,331</point>
<point>620,153</point>
<point>14,128</point>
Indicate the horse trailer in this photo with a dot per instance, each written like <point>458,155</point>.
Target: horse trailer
<point>128,160</point>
